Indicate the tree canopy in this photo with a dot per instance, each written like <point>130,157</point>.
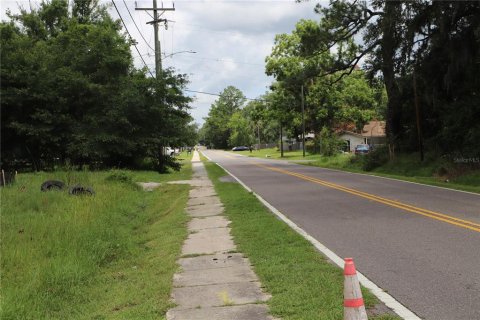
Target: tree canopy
<point>329,99</point>
<point>414,63</point>
<point>433,45</point>
<point>70,92</point>
<point>217,130</point>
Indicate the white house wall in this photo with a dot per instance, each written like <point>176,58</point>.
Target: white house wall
<point>354,140</point>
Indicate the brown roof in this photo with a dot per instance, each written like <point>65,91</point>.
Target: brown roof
<point>374,129</point>
<point>348,132</point>
<point>344,126</point>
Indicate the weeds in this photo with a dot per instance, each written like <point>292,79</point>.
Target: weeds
<point>107,256</point>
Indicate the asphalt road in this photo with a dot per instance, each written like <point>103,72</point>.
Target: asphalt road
<point>421,244</point>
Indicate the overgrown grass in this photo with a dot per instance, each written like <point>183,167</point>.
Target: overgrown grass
<point>432,171</point>
<point>303,284</point>
<point>108,256</point>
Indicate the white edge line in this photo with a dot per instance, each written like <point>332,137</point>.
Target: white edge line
<point>387,299</point>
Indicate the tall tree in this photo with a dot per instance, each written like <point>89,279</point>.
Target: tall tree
<point>217,131</point>
<point>241,133</point>
<point>297,60</point>
<point>438,40</point>
<point>69,91</point>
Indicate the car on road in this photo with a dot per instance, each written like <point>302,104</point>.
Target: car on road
<point>363,149</point>
<point>240,148</point>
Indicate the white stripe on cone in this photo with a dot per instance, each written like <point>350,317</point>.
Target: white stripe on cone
<point>354,308</point>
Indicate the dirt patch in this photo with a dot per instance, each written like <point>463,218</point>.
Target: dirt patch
<point>227,179</point>
<point>149,186</point>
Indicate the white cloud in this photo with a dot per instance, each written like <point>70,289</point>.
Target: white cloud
<point>231,38</point>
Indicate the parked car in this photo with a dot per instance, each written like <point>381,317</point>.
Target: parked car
<point>240,148</point>
<point>363,149</point>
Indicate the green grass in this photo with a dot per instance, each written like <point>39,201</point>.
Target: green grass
<point>110,256</point>
<point>404,167</point>
<point>303,284</point>
<point>274,154</point>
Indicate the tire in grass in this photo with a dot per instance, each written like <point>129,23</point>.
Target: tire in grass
<point>52,185</point>
<point>79,190</point>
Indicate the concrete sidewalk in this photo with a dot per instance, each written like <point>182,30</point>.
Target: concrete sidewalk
<point>215,281</point>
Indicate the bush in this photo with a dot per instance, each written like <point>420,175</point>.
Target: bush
<point>120,176</point>
<point>329,143</point>
<point>123,177</point>
<point>375,158</point>
<point>311,146</point>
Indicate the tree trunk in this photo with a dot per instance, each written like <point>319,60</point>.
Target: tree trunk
<point>388,47</point>
<point>162,167</point>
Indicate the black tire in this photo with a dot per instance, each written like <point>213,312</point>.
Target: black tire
<point>78,190</point>
<point>51,185</point>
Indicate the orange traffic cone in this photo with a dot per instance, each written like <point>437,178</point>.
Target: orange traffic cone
<point>353,307</point>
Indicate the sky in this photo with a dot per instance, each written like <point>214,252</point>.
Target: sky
<point>231,40</point>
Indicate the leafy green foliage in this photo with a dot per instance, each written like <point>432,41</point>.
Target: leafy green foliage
<point>329,144</point>
<point>374,159</point>
<point>435,42</point>
<point>69,91</point>
<point>296,60</point>
<point>241,134</point>
<point>216,130</point>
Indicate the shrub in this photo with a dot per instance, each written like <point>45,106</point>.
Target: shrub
<point>123,177</point>
<point>311,147</point>
<point>375,158</point>
<point>119,176</point>
<point>329,143</point>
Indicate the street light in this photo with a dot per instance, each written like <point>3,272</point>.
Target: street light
<point>172,54</point>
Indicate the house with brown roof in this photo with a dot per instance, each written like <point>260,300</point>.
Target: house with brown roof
<point>374,132</point>
<point>351,139</point>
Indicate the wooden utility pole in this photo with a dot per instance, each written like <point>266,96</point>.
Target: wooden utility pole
<point>303,122</point>
<point>281,140</point>
<point>155,22</point>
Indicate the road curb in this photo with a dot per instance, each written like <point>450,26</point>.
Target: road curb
<point>383,296</point>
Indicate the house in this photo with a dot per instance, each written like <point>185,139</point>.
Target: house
<point>374,133</point>
<point>351,139</point>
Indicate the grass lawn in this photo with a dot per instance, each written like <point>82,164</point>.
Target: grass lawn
<point>303,284</point>
<point>108,256</point>
<point>405,167</point>
<point>274,154</point>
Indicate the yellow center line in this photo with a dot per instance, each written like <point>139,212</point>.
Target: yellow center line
<point>424,212</point>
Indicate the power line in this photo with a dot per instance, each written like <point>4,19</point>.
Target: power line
<point>216,94</point>
<point>155,22</point>
<point>131,39</point>
<point>136,25</point>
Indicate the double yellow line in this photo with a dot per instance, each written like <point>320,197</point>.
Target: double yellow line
<point>424,212</point>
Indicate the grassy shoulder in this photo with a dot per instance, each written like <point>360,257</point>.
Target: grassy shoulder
<point>405,167</point>
<point>108,256</point>
<point>303,284</point>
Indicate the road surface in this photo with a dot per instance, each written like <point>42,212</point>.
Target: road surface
<point>419,243</point>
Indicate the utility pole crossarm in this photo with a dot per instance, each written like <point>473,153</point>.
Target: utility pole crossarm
<point>155,22</point>
<point>160,9</point>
